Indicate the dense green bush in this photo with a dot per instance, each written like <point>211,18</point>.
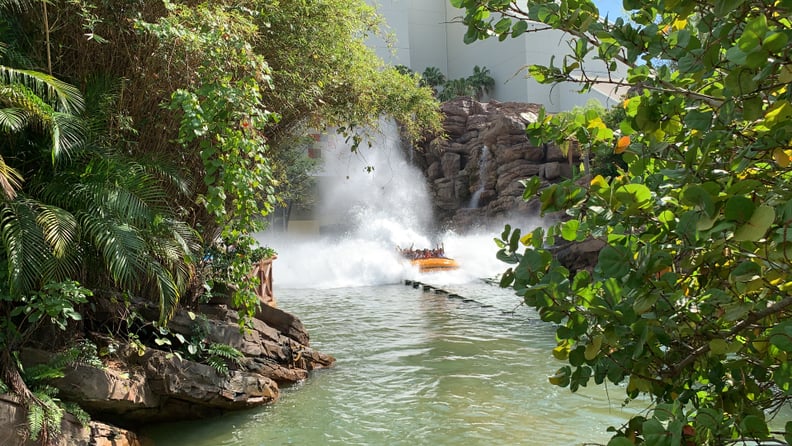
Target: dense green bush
<point>689,304</point>
<point>138,134</point>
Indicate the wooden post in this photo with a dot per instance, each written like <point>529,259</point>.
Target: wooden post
<point>263,270</point>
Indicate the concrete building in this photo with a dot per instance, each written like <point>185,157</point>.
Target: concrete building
<point>429,33</point>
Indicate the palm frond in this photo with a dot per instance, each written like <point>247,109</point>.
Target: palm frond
<point>64,96</point>
<point>119,245</point>
<point>173,246</point>
<point>173,239</point>
<point>112,187</point>
<point>19,5</point>
<point>65,130</point>
<point>10,180</point>
<point>177,262</point>
<point>102,93</point>
<point>171,177</point>
<point>59,227</point>
<point>26,248</point>
<point>22,97</point>
<point>12,120</point>
<point>67,134</point>
<point>132,200</point>
<point>167,290</point>
<point>124,218</point>
<point>61,233</point>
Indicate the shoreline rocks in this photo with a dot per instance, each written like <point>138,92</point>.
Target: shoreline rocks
<point>140,386</point>
<point>13,419</point>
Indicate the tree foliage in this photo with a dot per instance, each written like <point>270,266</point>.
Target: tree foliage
<point>231,84</point>
<point>325,74</point>
<point>689,302</point>
<point>477,85</point>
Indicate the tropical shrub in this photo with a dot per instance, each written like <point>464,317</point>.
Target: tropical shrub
<point>76,213</point>
<point>688,305</point>
<point>477,85</point>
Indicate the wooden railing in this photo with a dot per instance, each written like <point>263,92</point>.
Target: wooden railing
<point>263,270</point>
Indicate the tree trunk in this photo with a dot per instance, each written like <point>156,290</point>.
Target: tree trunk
<point>9,372</point>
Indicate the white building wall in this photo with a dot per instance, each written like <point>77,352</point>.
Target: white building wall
<point>507,62</point>
<point>397,15</point>
<point>429,33</point>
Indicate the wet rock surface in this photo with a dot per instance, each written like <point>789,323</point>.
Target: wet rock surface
<point>474,174</point>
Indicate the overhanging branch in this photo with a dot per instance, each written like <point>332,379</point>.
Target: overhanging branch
<point>751,319</point>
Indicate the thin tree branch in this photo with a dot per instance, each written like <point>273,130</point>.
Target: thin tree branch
<point>751,319</point>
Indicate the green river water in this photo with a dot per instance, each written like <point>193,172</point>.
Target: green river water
<point>413,368</point>
<point>418,368</point>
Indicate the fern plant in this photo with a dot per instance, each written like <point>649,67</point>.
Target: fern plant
<point>45,415</point>
<point>220,355</point>
<point>196,347</point>
<point>45,410</point>
<point>79,413</point>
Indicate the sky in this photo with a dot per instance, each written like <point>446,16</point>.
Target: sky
<point>611,8</point>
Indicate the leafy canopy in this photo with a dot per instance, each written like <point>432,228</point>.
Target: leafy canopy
<point>689,302</point>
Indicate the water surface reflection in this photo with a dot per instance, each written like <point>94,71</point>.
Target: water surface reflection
<point>417,368</point>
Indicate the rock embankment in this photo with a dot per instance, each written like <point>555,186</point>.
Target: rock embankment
<point>142,384</point>
<point>14,419</point>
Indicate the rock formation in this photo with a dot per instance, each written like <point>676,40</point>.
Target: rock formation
<point>474,174</point>
<point>143,384</point>
<point>13,419</point>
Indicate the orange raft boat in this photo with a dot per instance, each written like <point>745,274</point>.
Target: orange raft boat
<point>429,260</point>
<point>435,264</point>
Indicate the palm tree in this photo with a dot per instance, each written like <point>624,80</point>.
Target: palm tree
<point>456,88</point>
<point>481,81</point>
<point>86,199</point>
<point>73,209</point>
<point>126,232</point>
<point>48,106</point>
<point>433,77</point>
<point>32,105</point>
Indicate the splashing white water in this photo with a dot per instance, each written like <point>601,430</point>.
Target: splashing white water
<point>373,213</point>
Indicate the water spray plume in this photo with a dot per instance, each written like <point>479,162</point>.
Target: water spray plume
<point>370,203</point>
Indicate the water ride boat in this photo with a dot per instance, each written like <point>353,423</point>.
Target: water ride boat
<point>429,260</point>
<point>435,264</point>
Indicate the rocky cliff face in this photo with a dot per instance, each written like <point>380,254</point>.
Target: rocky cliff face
<point>142,385</point>
<point>474,174</point>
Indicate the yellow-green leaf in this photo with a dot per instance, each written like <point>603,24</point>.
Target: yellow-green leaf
<point>561,352</point>
<point>718,347</point>
<point>780,111</point>
<point>592,350</point>
<point>756,227</point>
<point>782,157</point>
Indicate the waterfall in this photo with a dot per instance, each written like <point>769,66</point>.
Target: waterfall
<point>483,161</point>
